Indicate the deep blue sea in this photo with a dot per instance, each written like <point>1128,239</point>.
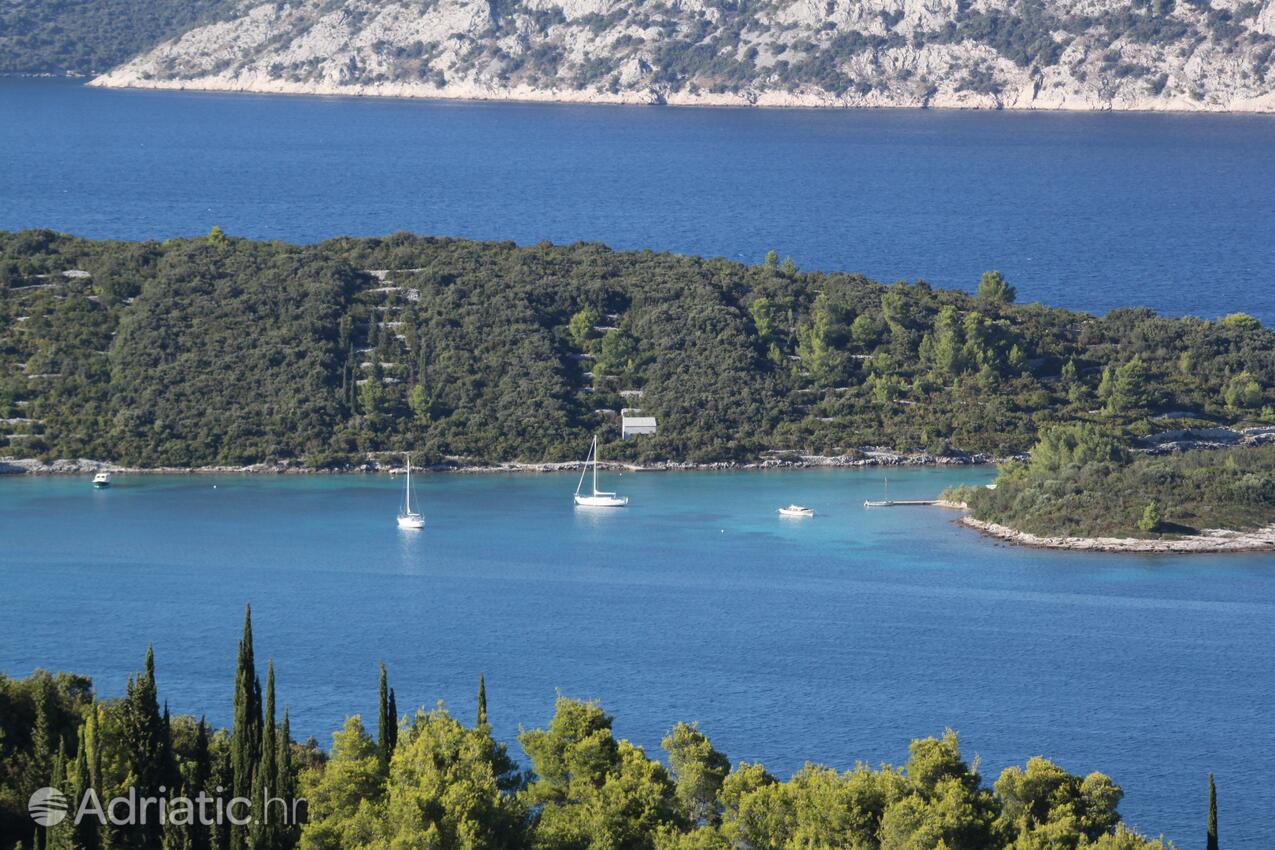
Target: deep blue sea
<point>831,639</point>
<point>1090,211</point>
<point>834,639</point>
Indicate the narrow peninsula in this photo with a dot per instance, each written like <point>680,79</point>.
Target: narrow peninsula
<point>1082,489</point>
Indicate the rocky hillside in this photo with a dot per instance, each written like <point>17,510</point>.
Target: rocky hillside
<point>1017,54</point>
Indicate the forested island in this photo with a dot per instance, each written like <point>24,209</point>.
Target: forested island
<point>429,779</point>
<point>225,351</point>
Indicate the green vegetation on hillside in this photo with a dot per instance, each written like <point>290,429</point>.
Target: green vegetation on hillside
<point>90,36</point>
<point>226,351</point>
<point>430,780</point>
<point>1082,482</point>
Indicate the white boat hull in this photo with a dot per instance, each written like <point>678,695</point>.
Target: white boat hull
<point>796,512</point>
<point>587,501</point>
<point>411,521</point>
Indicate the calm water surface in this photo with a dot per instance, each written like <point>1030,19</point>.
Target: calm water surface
<point>832,639</point>
<point>1083,211</point>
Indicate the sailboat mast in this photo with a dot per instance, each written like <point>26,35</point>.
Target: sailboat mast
<point>595,464</point>
<point>408,458</point>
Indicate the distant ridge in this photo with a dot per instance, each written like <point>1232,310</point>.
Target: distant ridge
<point>1012,54</point>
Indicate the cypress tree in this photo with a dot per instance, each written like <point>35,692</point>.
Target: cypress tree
<point>287,834</point>
<point>93,736</point>
<point>245,744</point>
<point>59,836</point>
<point>1212,839</point>
<point>172,778</point>
<point>199,781</point>
<point>382,718</point>
<point>265,784</point>
<point>41,764</point>
<point>85,835</point>
<point>143,732</point>
<point>393,722</point>
<point>482,700</point>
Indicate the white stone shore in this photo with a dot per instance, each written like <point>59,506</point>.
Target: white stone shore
<point>877,457</point>
<point>1209,540</point>
<point>470,91</point>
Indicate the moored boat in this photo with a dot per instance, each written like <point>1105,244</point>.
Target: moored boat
<point>407,518</point>
<point>797,511</point>
<point>102,480</point>
<point>598,498</point>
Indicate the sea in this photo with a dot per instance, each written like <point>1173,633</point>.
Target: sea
<point>1090,211</point>
<point>834,639</point>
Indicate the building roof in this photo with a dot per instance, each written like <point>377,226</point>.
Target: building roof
<point>640,421</point>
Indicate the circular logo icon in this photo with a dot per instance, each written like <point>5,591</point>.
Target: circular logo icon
<point>47,806</point>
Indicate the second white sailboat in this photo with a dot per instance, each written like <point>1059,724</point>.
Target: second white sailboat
<point>407,517</point>
<point>598,498</point>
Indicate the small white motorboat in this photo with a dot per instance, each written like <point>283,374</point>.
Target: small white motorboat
<point>102,480</point>
<point>598,498</point>
<point>408,518</point>
<point>797,511</point>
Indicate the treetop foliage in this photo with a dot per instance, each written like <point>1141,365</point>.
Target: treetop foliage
<point>450,786</point>
<point>1081,481</point>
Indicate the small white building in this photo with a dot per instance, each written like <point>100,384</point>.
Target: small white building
<point>633,426</point>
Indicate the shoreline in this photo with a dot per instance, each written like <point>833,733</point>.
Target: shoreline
<point>21,467</point>
<point>1210,540</point>
<point>771,99</point>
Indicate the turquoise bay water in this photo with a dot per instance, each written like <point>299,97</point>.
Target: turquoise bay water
<point>832,639</point>
<point>1089,211</point>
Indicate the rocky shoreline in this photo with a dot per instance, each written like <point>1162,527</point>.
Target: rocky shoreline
<point>763,98</point>
<point>1209,540</point>
<point>874,53</point>
<point>872,458</point>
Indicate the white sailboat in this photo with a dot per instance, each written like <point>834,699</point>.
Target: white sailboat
<point>102,480</point>
<point>408,518</point>
<point>881,503</point>
<point>598,498</point>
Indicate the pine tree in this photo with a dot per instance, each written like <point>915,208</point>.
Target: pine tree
<point>1212,837</point>
<point>245,744</point>
<point>1150,519</point>
<point>482,700</point>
